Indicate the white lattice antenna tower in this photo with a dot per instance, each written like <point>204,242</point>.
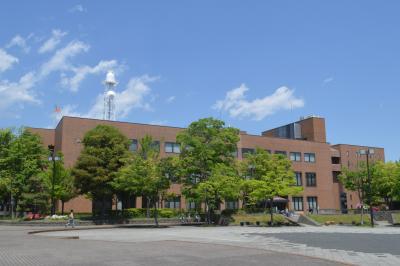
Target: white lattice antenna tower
<point>109,96</point>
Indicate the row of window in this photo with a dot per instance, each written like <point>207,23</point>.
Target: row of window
<point>175,203</point>
<point>308,157</point>
<point>169,147</point>
<point>294,156</point>
<point>311,179</point>
<point>298,204</point>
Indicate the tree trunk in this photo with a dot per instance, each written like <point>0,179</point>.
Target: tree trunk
<point>155,213</point>
<point>103,208</point>
<point>362,213</point>
<point>147,208</point>
<point>270,211</point>
<point>62,207</point>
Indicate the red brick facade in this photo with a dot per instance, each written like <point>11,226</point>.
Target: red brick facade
<point>317,159</point>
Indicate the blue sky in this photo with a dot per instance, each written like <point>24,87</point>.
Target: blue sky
<point>254,64</point>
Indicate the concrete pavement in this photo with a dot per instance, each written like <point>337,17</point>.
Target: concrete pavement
<point>271,239</point>
<point>142,247</point>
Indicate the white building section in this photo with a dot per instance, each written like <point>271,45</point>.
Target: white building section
<point>109,96</point>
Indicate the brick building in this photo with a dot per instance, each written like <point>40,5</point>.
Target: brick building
<point>316,162</point>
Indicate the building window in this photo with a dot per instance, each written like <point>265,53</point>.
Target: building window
<point>247,151</point>
<point>133,146</point>
<point>281,153</point>
<point>309,157</point>
<point>195,179</point>
<point>191,205</point>
<point>171,147</point>
<point>335,160</point>
<point>335,176</point>
<point>231,204</point>
<point>311,179</point>
<point>312,203</point>
<point>155,145</point>
<point>173,203</point>
<point>295,156</point>
<point>299,181</point>
<point>298,203</point>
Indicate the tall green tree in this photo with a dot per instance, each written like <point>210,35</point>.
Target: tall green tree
<point>268,176</point>
<point>205,144</point>
<point>145,175</point>
<point>104,153</point>
<point>22,162</point>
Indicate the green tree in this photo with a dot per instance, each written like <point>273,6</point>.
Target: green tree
<point>64,186</point>
<point>268,176</point>
<point>204,144</point>
<point>386,181</point>
<point>357,180</point>
<point>104,153</point>
<point>6,139</point>
<point>224,183</point>
<point>26,161</point>
<point>144,175</point>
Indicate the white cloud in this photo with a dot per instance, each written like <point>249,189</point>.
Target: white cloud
<point>20,42</point>
<point>236,104</point>
<point>60,60</point>
<point>327,80</point>
<point>52,42</point>
<point>81,73</point>
<point>133,97</point>
<point>6,60</point>
<point>170,99</point>
<point>77,8</point>
<point>12,93</point>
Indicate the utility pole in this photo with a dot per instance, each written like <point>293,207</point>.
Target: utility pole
<point>367,152</point>
<point>371,212</point>
<point>53,158</point>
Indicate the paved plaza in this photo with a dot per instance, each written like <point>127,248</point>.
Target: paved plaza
<point>231,246</point>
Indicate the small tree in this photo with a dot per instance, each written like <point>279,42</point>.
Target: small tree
<point>64,187</point>
<point>143,175</point>
<point>104,153</point>
<point>386,181</point>
<point>224,183</point>
<point>357,180</point>
<point>270,176</point>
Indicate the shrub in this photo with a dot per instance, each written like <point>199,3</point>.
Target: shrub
<point>133,213</point>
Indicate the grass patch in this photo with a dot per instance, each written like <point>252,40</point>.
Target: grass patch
<point>253,218</point>
<point>347,219</point>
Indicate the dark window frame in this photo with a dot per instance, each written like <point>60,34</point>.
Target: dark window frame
<point>297,174</point>
<point>296,203</point>
<point>311,179</point>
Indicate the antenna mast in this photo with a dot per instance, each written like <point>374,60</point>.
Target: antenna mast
<point>109,96</point>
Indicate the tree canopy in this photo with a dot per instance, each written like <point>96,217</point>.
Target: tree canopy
<point>104,153</point>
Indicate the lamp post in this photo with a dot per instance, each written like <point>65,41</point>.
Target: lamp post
<point>53,158</point>
<point>369,152</point>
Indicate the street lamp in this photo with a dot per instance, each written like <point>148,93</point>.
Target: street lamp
<point>53,158</point>
<point>369,152</point>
